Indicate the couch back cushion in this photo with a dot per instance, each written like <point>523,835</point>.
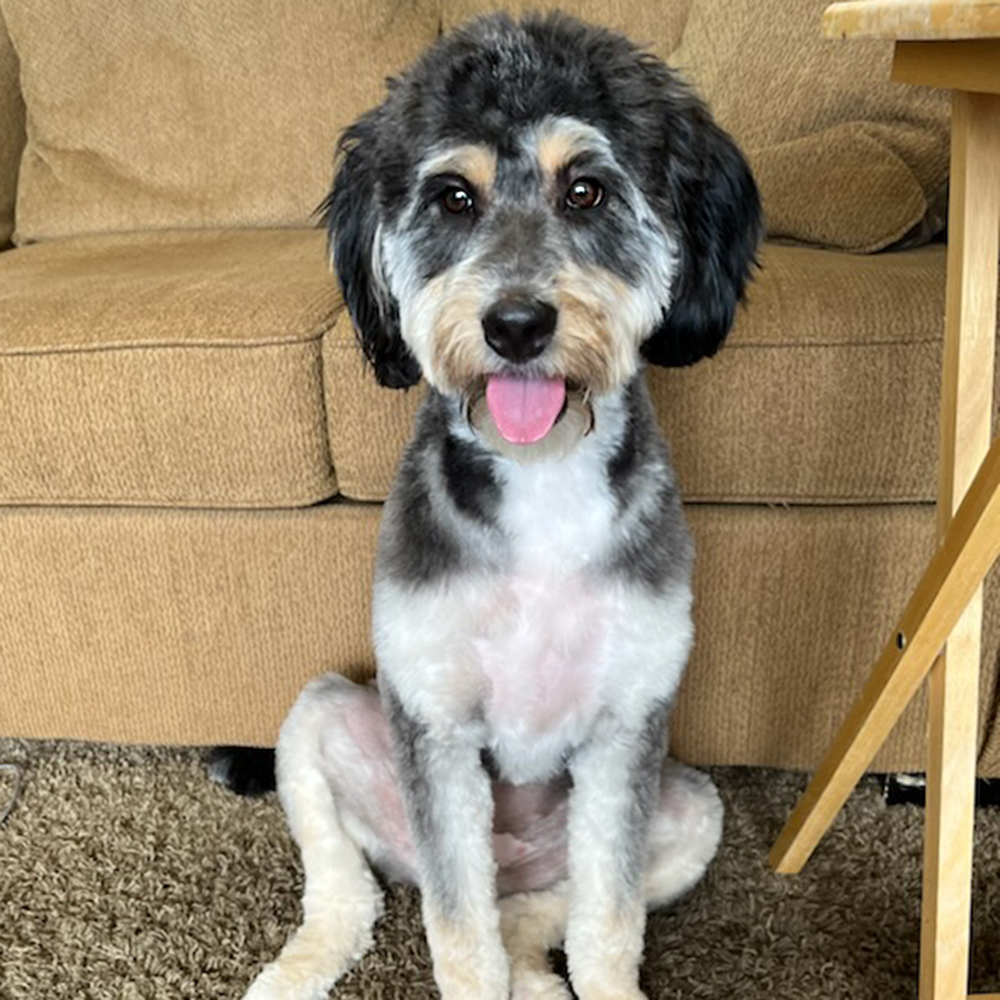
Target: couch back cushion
<point>11,133</point>
<point>149,115</point>
<point>168,114</point>
<point>844,157</point>
<point>657,26</point>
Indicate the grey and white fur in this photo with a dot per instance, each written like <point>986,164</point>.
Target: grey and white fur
<point>534,200</point>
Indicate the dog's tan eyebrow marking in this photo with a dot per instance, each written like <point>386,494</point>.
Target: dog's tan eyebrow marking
<point>558,141</point>
<point>476,163</point>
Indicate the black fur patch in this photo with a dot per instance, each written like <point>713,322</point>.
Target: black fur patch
<point>412,750</point>
<point>645,784</point>
<point>717,208</point>
<point>634,448</point>
<point>657,547</point>
<point>639,772</point>
<point>415,547</point>
<point>470,479</point>
<point>440,479</point>
<point>351,215</point>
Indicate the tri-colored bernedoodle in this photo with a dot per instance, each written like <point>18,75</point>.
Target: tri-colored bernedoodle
<point>536,210</point>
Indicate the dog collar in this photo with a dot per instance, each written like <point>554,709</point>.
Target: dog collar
<point>574,423</point>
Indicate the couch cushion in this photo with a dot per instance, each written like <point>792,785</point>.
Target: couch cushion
<point>202,626</point>
<point>178,626</point>
<point>657,26</point>
<point>843,156</point>
<point>179,369</point>
<point>826,392</point>
<point>169,114</point>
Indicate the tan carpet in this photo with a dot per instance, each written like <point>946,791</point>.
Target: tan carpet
<point>126,874</point>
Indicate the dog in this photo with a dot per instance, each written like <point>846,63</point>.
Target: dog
<point>537,210</point>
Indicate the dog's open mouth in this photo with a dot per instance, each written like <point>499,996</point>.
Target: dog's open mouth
<point>525,409</point>
<point>530,419</point>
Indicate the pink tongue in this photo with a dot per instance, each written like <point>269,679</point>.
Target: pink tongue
<point>524,409</point>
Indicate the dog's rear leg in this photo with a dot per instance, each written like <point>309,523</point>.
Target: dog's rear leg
<point>684,835</point>
<point>342,900</point>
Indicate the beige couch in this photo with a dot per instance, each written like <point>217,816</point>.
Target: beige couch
<point>192,456</point>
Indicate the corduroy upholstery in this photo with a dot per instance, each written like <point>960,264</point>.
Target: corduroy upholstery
<point>249,98</point>
<point>231,331</point>
<point>837,357</point>
<point>844,157</point>
<point>12,136</point>
<point>182,370</point>
<point>200,626</point>
<point>193,456</point>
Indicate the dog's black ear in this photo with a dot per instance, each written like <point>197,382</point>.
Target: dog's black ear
<point>716,207</point>
<point>351,213</point>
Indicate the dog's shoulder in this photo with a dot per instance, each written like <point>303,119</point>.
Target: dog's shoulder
<point>444,500</point>
<point>653,544</point>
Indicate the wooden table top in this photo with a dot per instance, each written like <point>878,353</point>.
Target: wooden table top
<point>916,20</point>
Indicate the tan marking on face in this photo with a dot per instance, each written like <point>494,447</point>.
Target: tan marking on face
<point>594,345</point>
<point>461,352</point>
<point>475,162</point>
<point>444,329</point>
<point>560,140</point>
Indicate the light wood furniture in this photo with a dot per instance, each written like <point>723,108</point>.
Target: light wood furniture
<point>954,45</point>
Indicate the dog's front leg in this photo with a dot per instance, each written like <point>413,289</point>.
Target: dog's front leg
<point>449,805</point>
<point>616,778</point>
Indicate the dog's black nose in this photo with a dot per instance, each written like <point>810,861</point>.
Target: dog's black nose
<point>519,329</point>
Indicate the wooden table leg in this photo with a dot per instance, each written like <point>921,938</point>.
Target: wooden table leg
<point>965,433</point>
<point>966,411</point>
<point>955,572</point>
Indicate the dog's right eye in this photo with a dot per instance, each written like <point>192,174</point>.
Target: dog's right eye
<point>457,200</point>
<point>584,193</point>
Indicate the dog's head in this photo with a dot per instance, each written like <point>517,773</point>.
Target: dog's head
<point>544,200</point>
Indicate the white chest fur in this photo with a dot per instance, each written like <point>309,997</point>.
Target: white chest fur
<point>543,644</point>
<point>543,659</point>
<point>536,651</point>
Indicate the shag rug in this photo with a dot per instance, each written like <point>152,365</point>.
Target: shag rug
<point>126,874</point>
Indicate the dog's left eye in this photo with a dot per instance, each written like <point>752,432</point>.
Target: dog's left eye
<point>584,192</point>
<point>457,200</point>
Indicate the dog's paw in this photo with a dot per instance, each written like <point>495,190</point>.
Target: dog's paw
<point>316,956</point>
<point>273,984</point>
<point>608,991</point>
<point>469,985</point>
<point>295,980</point>
<point>264,987</point>
<point>278,982</point>
<point>535,985</point>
